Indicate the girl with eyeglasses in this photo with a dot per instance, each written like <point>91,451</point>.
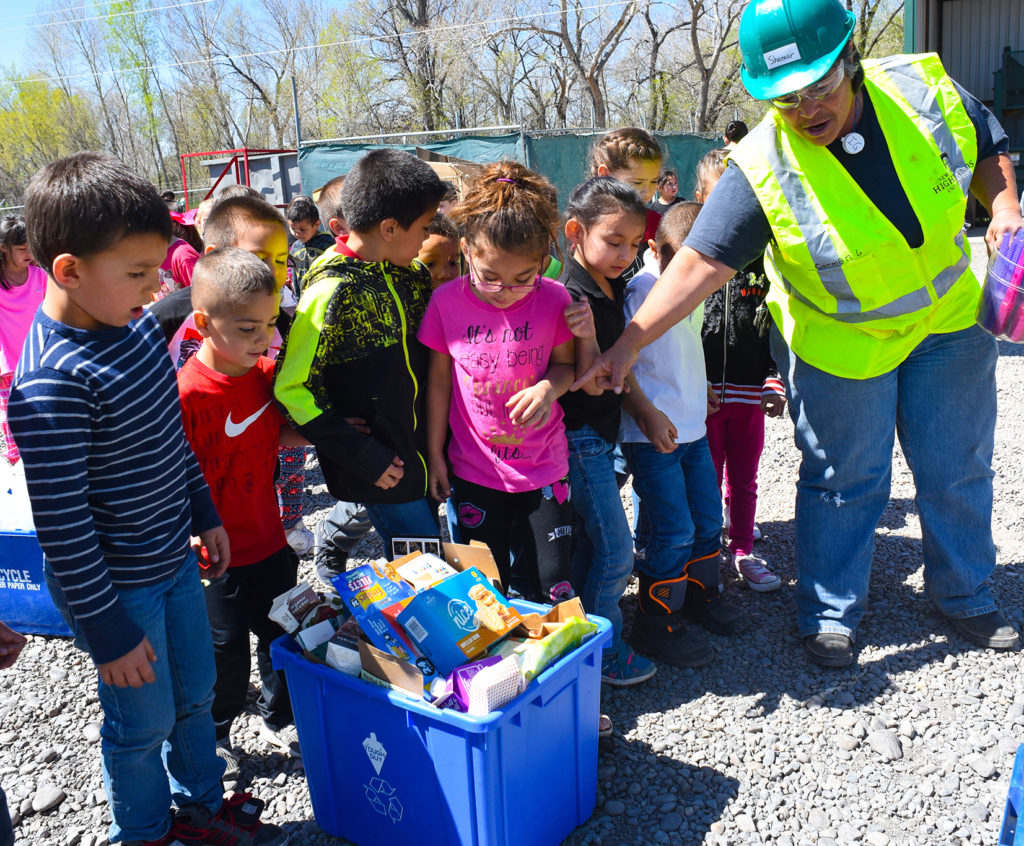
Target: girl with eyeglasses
<point>502,353</point>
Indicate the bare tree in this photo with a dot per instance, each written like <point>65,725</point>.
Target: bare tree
<point>588,42</point>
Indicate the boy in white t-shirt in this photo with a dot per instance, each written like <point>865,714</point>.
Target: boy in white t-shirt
<point>675,477</point>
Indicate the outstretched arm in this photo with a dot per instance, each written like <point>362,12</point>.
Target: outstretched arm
<point>688,280</point>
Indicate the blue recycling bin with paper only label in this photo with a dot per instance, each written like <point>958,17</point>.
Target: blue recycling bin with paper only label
<point>25,603</point>
<point>386,768</point>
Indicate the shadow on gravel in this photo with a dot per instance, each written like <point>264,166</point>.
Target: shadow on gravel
<point>641,792</point>
<point>759,669</point>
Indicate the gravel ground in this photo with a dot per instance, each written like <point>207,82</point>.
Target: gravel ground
<point>912,745</point>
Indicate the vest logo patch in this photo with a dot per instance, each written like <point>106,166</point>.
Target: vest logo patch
<point>782,56</point>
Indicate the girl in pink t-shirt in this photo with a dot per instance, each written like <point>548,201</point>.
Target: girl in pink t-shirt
<point>502,353</point>
<point>22,286</point>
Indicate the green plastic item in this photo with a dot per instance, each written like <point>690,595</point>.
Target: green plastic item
<point>537,654</point>
<point>790,44</point>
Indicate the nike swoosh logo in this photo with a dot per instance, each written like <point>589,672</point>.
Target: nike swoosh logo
<point>233,430</point>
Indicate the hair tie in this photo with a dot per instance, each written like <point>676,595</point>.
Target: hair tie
<point>505,179</point>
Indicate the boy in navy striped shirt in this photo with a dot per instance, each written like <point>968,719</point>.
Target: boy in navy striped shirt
<point>116,496</point>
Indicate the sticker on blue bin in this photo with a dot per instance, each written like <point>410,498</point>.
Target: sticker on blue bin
<point>375,751</point>
<point>383,800</point>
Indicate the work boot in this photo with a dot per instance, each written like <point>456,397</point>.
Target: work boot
<point>703,602</point>
<point>659,630</point>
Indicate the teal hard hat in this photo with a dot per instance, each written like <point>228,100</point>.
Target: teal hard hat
<point>789,44</point>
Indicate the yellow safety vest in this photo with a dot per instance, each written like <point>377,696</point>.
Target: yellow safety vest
<point>848,293</point>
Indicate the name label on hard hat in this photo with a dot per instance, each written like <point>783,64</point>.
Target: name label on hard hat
<point>782,56</point>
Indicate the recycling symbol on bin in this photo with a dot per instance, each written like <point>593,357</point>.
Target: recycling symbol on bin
<point>383,800</point>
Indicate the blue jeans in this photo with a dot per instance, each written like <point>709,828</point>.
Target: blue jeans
<point>158,740</point>
<point>684,507</point>
<point>603,547</point>
<point>416,519</point>
<point>941,402</point>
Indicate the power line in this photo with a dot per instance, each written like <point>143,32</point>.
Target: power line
<point>107,17</point>
<point>319,46</point>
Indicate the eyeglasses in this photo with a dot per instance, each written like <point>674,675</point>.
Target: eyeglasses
<point>495,287</point>
<point>821,89</point>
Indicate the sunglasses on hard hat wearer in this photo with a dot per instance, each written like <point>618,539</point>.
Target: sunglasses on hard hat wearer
<point>821,89</point>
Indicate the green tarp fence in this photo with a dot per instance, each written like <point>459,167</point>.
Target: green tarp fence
<point>561,158</point>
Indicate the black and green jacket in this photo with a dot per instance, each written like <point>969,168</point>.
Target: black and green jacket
<point>352,352</point>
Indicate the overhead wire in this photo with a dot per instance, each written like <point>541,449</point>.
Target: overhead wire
<point>605,4</point>
<point>106,17</point>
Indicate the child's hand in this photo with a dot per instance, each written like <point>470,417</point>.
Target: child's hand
<point>437,479</point>
<point>714,403</point>
<point>11,644</point>
<point>393,475</point>
<point>773,404</point>
<point>531,406</point>
<point>213,551</point>
<point>580,319</point>
<point>132,670</point>
<point>659,430</point>
<point>358,424</point>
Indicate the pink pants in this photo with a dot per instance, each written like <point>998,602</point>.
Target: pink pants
<point>736,438</point>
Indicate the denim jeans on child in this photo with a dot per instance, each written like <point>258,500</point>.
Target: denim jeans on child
<point>158,741</point>
<point>736,439</point>
<point>941,402</point>
<point>602,545</point>
<point>414,519</point>
<point>680,492</point>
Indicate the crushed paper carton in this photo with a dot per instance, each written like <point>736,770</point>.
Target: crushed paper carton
<point>380,668</point>
<point>289,608</point>
<point>457,620</point>
<point>541,626</point>
<point>423,571</point>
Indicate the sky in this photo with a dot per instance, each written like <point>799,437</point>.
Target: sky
<point>20,19</point>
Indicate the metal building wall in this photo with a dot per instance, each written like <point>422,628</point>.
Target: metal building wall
<point>972,36</point>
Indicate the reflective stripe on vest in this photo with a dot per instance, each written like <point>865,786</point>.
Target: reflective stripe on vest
<point>849,294</point>
<point>914,89</point>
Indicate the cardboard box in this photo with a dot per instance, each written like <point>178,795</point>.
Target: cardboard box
<point>367,591</point>
<point>458,619</point>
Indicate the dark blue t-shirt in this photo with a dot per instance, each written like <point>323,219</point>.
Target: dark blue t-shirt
<point>732,227</point>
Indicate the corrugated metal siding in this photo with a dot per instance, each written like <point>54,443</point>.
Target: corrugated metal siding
<point>974,33</point>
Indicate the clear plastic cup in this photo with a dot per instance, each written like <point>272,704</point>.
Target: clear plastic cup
<point>1001,308</point>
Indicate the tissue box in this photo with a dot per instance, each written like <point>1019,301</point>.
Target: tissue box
<point>457,620</point>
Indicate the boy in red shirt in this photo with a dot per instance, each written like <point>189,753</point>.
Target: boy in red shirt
<point>235,428</point>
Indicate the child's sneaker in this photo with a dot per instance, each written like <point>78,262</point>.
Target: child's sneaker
<point>231,768</point>
<point>625,667</point>
<point>284,739</point>
<point>755,573</point>
<point>236,823</point>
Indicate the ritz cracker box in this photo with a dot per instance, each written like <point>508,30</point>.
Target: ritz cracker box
<point>457,620</point>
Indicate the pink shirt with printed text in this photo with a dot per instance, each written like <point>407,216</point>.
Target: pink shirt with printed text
<point>495,354</point>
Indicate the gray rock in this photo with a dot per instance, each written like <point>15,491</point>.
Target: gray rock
<point>886,744</point>
<point>614,808</point>
<point>983,766</point>
<point>91,732</point>
<point>47,797</point>
<point>670,822</point>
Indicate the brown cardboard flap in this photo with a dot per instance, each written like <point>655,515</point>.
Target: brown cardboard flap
<point>390,669</point>
<point>540,626</point>
<point>474,554</point>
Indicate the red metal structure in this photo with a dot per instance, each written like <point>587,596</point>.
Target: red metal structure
<point>239,161</point>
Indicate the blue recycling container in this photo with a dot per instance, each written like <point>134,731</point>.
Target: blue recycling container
<point>25,603</point>
<point>385,767</point>
<point>1011,834</point>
